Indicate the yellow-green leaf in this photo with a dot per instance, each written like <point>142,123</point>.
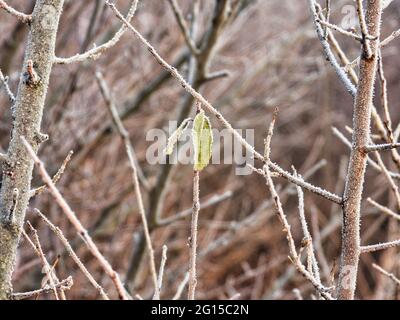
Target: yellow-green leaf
<point>202,141</point>
<point>173,139</point>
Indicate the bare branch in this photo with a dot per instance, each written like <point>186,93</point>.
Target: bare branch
<point>352,197</point>
<point>390,38</point>
<point>384,209</point>
<point>162,266</point>
<point>63,285</point>
<point>292,249</point>
<point>308,241</point>
<point>184,28</point>
<point>25,18</point>
<point>38,249</point>
<point>196,95</point>
<point>339,29</point>
<point>129,150</point>
<point>364,28</point>
<point>96,52</point>
<point>56,177</point>
<point>387,274</point>
<point>380,246</point>
<point>382,147</point>
<point>4,82</point>
<point>76,223</point>
<point>215,199</point>
<point>376,166</point>
<point>181,287</point>
<point>193,237</point>
<point>119,125</point>
<point>73,255</point>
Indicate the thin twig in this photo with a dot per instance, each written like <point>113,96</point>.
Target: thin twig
<point>215,199</point>
<point>292,249</point>
<point>387,274</point>
<point>184,28</point>
<point>193,237</point>
<point>390,38</point>
<point>162,266</point>
<point>384,209</point>
<point>376,166</point>
<point>25,18</point>
<point>63,285</point>
<point>382,147</point>
<point>294,257</point>
<point>364,28</point>
<point>56,177</point>
<point>198,97</point>
<point>38,249</point>
<point>181,287</point>
<point>380,246</point>
<point>308,241</point>
<point>96,52</point>
<point>339,29</point>
<point>129,150</point>
<point>386,173</point>
<point>76,223</point>
<point>73,255</point>
<point>4,81</point>
<point>105,91</point>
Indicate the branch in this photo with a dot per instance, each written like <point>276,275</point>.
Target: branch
<point>129,150</point>
<point>76,223</point>
<point>339,29</point>
<point>376,166</point>
<point>162,266</point>
<point>381,147</point>
<point>292,249</point>
<point>73,255</point>
<point>387,274</point>
<point>308,241</point>
<point>184,28</point>
<point>364,28</point>
<point>385,210</point>
<point>96,52</point>
<point>215,199</point>
<point>56,177</point>
<point>380,246</point>
<point>197,96</point>
<point>193,237</point>
<point>181,287</point>
<point>25,18</point>
<point>328,52</point>
<point>4,81</point>
<point>390,38</point>
<point>63,285</point>
<point>51,277</point>
<point>294,257</point>
<point>112,107</point>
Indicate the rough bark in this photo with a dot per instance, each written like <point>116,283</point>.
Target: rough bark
<point>27,116</point>
<point>358,159</point>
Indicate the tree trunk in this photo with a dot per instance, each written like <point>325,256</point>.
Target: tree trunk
<point>27,116</point>
<point>358,159</point>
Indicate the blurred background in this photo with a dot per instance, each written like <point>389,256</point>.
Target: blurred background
<point>274,59</point>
